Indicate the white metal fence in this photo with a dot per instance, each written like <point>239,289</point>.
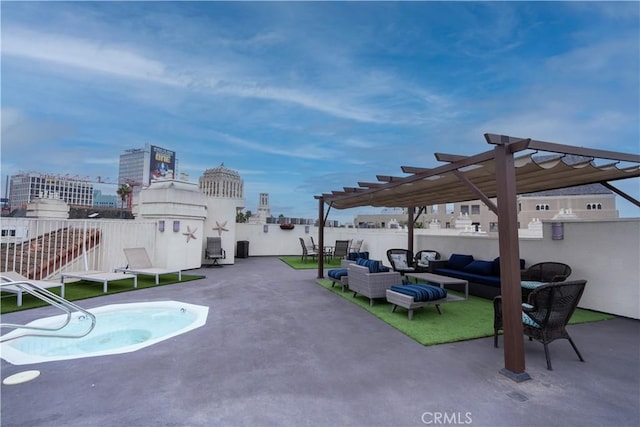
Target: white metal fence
<point>42,248</point>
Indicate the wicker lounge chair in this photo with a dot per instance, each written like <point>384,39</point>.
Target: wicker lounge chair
<point>372,285</point>
<point>138,262</point>
<point>546,315</point>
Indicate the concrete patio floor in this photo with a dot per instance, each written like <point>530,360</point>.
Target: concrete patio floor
<point>279,350</point>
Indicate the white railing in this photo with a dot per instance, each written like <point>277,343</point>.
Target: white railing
<point>42,248</point>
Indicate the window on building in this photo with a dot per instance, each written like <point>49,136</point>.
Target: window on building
<point>475,209</point>
<point>464,209</point>
<point>493,227</point>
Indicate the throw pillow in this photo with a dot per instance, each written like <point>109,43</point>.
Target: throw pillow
<point>483,268</point>
<point>459,261</point>
<point>399,261</point>
<point>425,257</point>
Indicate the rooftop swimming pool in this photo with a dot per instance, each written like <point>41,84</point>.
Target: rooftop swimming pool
<point>120,328</point>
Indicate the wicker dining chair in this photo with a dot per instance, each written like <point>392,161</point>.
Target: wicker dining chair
<point>547,313</point>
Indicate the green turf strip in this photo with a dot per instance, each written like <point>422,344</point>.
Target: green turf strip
<point>460,320</point>
<point>296,262</point>
<point>83,289</point>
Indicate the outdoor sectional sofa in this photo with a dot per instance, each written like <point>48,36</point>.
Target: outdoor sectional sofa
<point>483,276</point>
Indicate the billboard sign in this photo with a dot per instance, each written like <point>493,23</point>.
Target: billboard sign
<point>162,164</point>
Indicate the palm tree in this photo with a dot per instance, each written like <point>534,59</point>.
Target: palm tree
<point>124,191</point>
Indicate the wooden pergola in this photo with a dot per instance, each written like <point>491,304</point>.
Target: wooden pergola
<point>494,174</point>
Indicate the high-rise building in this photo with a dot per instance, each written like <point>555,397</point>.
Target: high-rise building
<point>25,187</point>
<point>138,166</point>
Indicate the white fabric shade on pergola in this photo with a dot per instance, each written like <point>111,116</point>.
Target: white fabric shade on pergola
<point>497,175</point>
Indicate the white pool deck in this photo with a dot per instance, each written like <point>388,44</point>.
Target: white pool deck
<point>279,350</point>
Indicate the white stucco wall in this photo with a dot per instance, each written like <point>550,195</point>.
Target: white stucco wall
<point>175,202</point>
<point>221,215</point>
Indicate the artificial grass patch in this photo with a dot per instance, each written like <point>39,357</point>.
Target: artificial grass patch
<point>296,262</point>
<point>460,320</point>
<point>74,291</point>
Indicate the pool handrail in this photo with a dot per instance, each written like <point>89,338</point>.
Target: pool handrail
<point>52,299</point>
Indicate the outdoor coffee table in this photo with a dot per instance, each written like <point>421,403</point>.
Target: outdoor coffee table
<point>443,281</point>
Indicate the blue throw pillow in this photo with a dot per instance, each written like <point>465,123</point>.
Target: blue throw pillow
<point>372,265</point>
<point>458,261</point>
<point>482,268</point>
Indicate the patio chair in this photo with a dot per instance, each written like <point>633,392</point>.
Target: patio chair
<point>371,279</point>
<point>11,281</point>
<point>138,262</point>
<point>546,315</point>
<point>313,246</point>
<point>307,252</point>
<point>401,260</point>
<point>341,249</point>
<point>422,259</point>
<point>214,251</point>
<point>546,272</point>
<point>355,245</point>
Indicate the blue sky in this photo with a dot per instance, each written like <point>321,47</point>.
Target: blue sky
<point>305,98</point>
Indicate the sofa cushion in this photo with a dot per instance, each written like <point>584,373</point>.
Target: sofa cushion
<point>483,268</point>
<point>374,266</point>
<point>459,261</point>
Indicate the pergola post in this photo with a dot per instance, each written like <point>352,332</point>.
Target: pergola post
<point>320,238</point>
<point>410,212</point>
<point>514,365</point>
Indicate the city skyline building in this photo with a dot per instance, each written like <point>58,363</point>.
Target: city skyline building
<point>105,200</point>
<point>24,188</point>
<point>585,202</point>
<point>139,166</point>
<point>221,182</point>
